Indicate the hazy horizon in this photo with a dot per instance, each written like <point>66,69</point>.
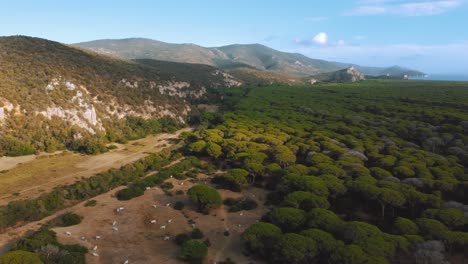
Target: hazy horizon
<point>424,35</point>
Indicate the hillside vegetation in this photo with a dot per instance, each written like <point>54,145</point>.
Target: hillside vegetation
<point>368,172</point>
<point>54,96</point>
<point>230,57</point>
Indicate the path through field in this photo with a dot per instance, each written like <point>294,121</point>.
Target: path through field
<point>35,175</point>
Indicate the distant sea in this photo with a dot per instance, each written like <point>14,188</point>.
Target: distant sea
<point>443,77</point>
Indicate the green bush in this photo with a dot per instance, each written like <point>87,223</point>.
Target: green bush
<point>193,251</point>
<point>129,193</point>
<point>90,203</point>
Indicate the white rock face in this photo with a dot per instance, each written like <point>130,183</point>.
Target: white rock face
<point>356,75</point>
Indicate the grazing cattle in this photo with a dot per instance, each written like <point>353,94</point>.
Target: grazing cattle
<point>68,233</point>
<point>166,238</point>
<point>181,183</point>
<point>155,206</point>
<point>193,225</point>
<point>95,254</point>
<point>241,214</point>
<point>83,238</point>
<point>162,227</point>
<point>115,228</point>
<point>154,221</point>
<point>126,262</point>
<point>114,223</point>
<point>95,248</point>
<point>98,237</point>
<point>168,204</point>
<point>169,221</point>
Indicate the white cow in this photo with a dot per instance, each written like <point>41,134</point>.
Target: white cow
<point>115,228</point>
<point>162,227</point>
<point>68,233</point>
<point>155,206</point>
<point>98,237</point>
<point>166,238</point>
<point>95,248</point>
<point>169,221</point>
<point>95,254</point>
<point>154,221</point>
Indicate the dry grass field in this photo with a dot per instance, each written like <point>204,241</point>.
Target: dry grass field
<point>28,177</point>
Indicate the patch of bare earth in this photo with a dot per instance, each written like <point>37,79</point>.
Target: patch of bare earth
<point>134,238</point>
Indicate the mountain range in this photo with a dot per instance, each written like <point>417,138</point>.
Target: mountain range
<point>52,95</point>
<point>237,56</point>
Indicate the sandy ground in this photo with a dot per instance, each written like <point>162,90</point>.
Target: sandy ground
<point>7,163</point>
<point>29,176</point>
<point>139,241</point>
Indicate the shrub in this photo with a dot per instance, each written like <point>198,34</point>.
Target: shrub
<point>167,186</point>
<point>69,219</point>
<point>129,193</point>
<point>193,251</point>
<point>179,205</point>
<point>196,234</point>
<point>90,203</point>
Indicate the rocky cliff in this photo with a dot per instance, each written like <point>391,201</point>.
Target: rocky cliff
<point>51,93</point>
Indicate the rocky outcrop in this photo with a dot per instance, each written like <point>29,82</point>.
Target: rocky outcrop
<point>354,74</point>
<point>350,74</point>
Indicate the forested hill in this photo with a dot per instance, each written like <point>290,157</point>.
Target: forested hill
<point>54,96</point>
<point>230,57</point>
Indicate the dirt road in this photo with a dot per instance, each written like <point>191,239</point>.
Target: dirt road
<point>31,177</point>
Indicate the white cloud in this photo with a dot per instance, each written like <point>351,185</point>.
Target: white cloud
<point>404,8</point>
<point>320,39</point>
<point>445,58</point>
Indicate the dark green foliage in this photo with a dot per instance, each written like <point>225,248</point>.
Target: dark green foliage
<point>261,237</point>
<point>193,251</point>
<point>326,243</point>
<point>205,197</point>
<point>305,200</point>
<point>129,193</point>
<point>325,220</point>
<point>377,154</point>
<point>44,241</point>
<point>167,186</point>
<point>67,219</point>
<point>90,203</point>
<point>196,234</point>
<point>240,204</point>
<point>404,226</point>
<point>432,229</point>
<point>288,219</point>
<point>294,248</point>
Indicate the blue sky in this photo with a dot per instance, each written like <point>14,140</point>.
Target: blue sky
<point>428,35</point>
